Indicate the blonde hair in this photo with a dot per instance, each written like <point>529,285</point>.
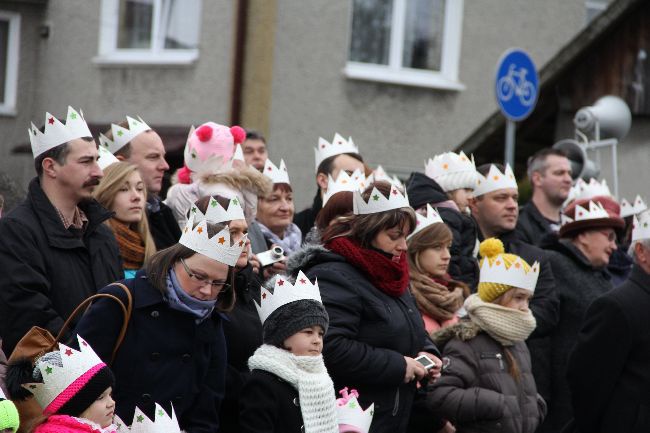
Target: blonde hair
<point>114,177</point>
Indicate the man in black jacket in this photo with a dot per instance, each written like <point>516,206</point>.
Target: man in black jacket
<point>134,142</point>
<point>613,395</point>
<point>549,172</point>
<point>54,249</point>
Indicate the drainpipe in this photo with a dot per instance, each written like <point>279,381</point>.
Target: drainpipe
<point>238,62</point>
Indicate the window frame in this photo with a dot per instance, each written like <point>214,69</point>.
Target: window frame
<point>110,54</point>
<point>395,73</point>
<point>8,106</point>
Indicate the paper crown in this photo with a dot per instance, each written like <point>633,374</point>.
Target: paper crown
<point>635,208</point>
<point>422,221</point>
<point>60,382</point>
<point>338,146</point>
<point>641,226</point>
<point>379,174</point>
<point>216,247</point>
<point>162,422</point>
<point>350,414</point>
<point>57,133</point>
<point>277,175</point>
<point>106,158</point>
<point>515,275</point>
<point>377,202</point>
<point>284,292</point>
<point>452,170</point>
<point>594,211</point>
<point>216,213</point>
<point>344,182</point>
<point>495,180</point>
<point>121,135</point>
<point>584,191</point>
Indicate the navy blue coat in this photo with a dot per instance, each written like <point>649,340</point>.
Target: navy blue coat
<point>166,357</point>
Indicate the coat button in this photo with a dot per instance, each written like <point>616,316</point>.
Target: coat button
<point>146,397</point>
<point>155,356</point>
<point>296,402</point>
<point>186,357</point>
<point>155,314</point>
<point>302,428</point>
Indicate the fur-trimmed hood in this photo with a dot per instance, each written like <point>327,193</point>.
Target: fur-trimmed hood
<point>464,330</point>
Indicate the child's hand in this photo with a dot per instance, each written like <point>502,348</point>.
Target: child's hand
<point>414,370</point>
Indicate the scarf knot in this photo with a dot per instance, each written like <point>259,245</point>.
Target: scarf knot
<point>506,325</point>
<point>437,298</point>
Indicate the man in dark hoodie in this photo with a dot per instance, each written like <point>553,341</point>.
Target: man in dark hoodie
<point>463,266</point>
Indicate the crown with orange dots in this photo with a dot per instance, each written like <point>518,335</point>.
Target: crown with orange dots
<point>195,237</point>
<point>494,180</point>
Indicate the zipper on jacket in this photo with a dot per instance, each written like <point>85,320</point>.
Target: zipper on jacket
<point>496,356</point>
<point>396,407</point>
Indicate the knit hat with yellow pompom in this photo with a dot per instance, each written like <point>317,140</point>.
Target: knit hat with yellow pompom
<point>492,250</point>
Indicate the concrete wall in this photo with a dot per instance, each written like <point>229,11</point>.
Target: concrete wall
<point>396,126</point>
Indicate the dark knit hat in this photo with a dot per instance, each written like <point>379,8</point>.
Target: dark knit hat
<point>291,318</point>
<point>90,392</point>
<point>577,223</point>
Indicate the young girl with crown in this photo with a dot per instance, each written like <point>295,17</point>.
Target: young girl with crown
<point>289,389</point>
<point>72,386</point>
<point>487,384</point>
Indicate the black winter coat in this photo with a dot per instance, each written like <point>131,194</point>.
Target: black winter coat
<point>369,334</point>
<point>243,331</point>
<point>476,392</point>
<point>306,218</point>
<point>463,265</point>
<point>578,285</point>
<point>47,270</point>
<point>166,357</point>
<point>532,227</point>
<point>616,332</point>
<point>269,405</point>
<point>163,226</point>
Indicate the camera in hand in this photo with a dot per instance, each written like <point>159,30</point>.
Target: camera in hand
<point>426,362</point>
<point>271,256</point>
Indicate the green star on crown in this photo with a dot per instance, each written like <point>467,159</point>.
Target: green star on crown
<point>375,197</point>
<point>48,370</point>
<point>120,133</point>
<point>73,115</point>
<point>140,418</point>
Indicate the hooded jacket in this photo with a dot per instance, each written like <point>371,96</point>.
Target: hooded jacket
<point>463,265</point>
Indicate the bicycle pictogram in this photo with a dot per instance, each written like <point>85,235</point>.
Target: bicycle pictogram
<point>515,83</point>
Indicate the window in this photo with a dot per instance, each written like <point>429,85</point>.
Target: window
<point>9,49</point>
<point>411,42</point>
<point>149,31</point>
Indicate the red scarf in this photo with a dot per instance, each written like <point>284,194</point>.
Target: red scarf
<point>390,277</point>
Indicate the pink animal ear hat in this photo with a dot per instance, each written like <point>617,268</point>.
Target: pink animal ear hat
<point>211,145</point>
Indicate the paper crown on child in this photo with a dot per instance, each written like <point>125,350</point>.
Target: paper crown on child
<point>211,145</point>
<point>586,190</point>
<point>351,416</point>
<point>379,174</point>
<point>275,173</point>
<point>508,269</point>
<point>452,170</point>
<point>629,209</point>
<point>344,182</point>
<point>377,202</point>
<point>284,293</point>
<point>106,158</point>
<point>195,237</point>
<point>216,213</point>
<point>62,382</point>
<point>122,135</point>
<point>494,180</point>
<point>423,221</point>
<point>641,226</point>
<point>162,422</point>
<point>338,146</point>
<point>57,133</point>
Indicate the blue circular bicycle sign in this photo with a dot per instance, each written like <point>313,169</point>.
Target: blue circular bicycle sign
<point>517,84</point>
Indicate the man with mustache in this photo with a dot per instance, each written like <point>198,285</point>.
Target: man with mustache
<point>495,209</point>
<point>55,250</point>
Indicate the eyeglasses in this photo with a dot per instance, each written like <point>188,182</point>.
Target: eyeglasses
<point>215,284</point>
<point>611,236</point>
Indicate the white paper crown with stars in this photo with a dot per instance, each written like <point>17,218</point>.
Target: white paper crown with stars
<point>586,190</point>
<point>423,221</point>
<point>452,170</point>
<point>284,293</point>
<point>162,422</point>
<point>216,213</point>
<point>121,135</point>
<point>216,247</point>
<point>515,275</point>
<point>379,174</point>
<point>77,366</point>
<point>275,173</point>
<point>351,415</point>
<point>641,226</point>
<point>495,180</point>
<point>635,208</point>
<point>106,158</point>
<point>338,146</point>
<point>377,202</point>
<point>57,133</point>
<point>593,211</point>
<point>344,182</point>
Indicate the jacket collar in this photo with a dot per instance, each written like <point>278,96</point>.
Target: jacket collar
<point>640,277</point>
<point>148,295</point>
<point>57,235</point>
<point>532,210</point>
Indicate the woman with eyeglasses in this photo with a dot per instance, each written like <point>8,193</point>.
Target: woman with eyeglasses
<point>174,350</point>
<point>579,260</point>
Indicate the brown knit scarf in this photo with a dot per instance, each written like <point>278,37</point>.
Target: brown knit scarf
<point>436,300</point>
<point>130,243</point>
